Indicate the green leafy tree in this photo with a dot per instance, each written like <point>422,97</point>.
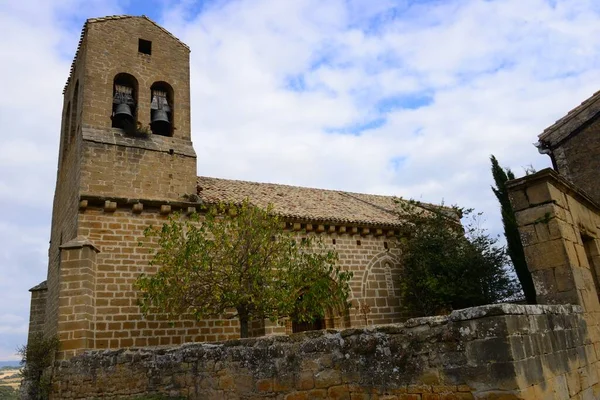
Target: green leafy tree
<point>511,230</point>
<point>446,266</point>
<point>239,257</point>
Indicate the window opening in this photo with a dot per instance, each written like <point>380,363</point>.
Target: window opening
<point>66,129</point>
<point>593,258</point>
<point>389,281</point>
<point>124,100</point>
<point>145,46</point>
<point>314,325</point>
<point>160,109</point>
<point>73,123</point>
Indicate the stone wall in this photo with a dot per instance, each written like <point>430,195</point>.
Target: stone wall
<point>66,194</point>
<point>489,352</point>
<point>578,158</point>
<point>37,309</point>
<point>115,164</point>
<point>560,230</point>
<point>115,229</point>
<point>76,297</point>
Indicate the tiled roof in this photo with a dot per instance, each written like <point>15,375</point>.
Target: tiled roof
<point>110,18</point>
<point>303,203</point>
<point>573,120</point>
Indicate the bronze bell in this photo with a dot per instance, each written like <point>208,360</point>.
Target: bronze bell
<point>160,116</point>
<point>160,122</point>
<point>123,113</point>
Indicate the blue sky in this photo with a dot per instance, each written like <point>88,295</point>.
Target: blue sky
<point>405,98</point>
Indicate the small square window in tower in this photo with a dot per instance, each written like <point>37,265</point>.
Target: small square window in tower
<point>145,46</point>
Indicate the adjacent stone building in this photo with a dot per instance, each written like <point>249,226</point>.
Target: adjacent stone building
<point>126,161</point>
<point>573,144</point>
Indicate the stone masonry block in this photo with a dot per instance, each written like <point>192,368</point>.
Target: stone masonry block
<point>544,192</point>
<point>544,281</point>
<point>528,235</point>
<point>546,255</point>
<point>554,229</point>
<point>564,278</point>
<point>539,193</point>
<point>489,350</point>
<point>518,200</point>
<point>540,214</point>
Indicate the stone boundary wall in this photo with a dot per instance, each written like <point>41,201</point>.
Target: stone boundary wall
<point>488,352</point>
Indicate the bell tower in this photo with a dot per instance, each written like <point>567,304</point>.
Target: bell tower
<point>133,117</point>
<point>125,135</point>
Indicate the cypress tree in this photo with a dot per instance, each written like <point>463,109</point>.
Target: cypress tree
<point>511,231</point>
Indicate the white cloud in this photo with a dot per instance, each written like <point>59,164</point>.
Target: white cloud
<point>279,90</point>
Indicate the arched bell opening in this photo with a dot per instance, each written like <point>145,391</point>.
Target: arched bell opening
<point>125,90</point>
<point>161,109</point>
<point>73,116</point>
<point>65,131</point>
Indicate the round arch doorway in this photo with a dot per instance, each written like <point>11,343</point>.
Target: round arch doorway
<point>315,325</point>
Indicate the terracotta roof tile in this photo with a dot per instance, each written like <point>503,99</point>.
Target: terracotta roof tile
<point>305,203</point>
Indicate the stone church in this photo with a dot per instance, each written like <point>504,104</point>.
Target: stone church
<point>126,161</point>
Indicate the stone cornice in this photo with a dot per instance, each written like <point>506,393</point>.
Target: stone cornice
<point>117,137</point>
<point>78,243</point>
<point>165,207</point>
<point>571,122</point>
<point>551,176</point>
<point>39,287</point>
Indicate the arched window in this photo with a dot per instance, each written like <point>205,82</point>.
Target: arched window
<point>297,326</point>
<point>65,132</point>
<point>316,325</point>
<point>161,108</point>
<point>125,90</point>
<point>73,123</point>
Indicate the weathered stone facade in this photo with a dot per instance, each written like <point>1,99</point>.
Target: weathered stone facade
<point>118,322</point>
<point>560,231</point>
<point>113,183</point>
<point>573,144</point>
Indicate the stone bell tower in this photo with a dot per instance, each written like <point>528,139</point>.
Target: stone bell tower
<point>133,117</point>
<point>125,139</point>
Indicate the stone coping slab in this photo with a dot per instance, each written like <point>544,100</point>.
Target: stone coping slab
<point>549,175</point>
<point>472,313</point>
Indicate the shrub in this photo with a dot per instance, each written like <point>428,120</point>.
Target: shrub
<point>37,357</point>
<point>448,267</point>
